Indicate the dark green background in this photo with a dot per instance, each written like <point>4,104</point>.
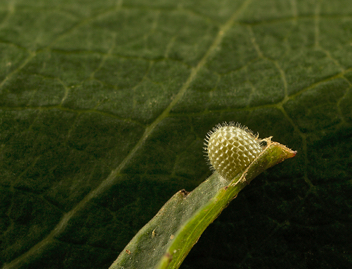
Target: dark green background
<point>104,106</point>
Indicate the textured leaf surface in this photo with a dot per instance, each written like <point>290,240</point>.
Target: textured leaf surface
<point>104,106</point>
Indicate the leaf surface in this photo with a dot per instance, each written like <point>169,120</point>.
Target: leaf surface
<point>104,106</point>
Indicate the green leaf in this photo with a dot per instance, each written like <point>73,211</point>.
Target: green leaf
<point>104,106</point>
<point>165,241</point>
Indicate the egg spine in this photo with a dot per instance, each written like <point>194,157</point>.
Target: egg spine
<point>230,148</point>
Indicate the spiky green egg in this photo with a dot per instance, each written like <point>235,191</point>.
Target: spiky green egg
<point>231,148</point>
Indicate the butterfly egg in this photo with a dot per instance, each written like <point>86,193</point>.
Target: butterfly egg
<point>230,148</point>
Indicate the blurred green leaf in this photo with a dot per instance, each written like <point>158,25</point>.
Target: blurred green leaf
<point>104,106</point>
